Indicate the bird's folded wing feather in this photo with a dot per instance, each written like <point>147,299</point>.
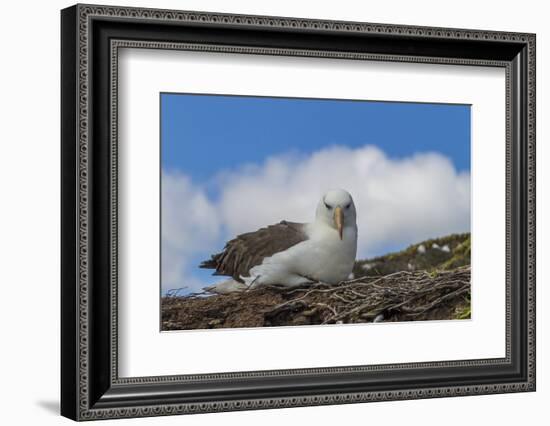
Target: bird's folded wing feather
<point>248,250</point>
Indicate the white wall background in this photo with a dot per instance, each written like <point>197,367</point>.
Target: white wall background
<point>29,213</point>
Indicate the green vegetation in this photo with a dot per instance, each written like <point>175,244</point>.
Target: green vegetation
<point>461,255</point>
<point>432,255</point>
<point>464,310</point>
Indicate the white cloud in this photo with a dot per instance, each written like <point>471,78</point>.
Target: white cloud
<point>190,223</point>
<point>399,201</point>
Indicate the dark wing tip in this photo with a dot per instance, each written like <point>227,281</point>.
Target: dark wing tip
<point>209,264</point>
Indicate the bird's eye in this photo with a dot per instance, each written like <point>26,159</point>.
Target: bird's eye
<point>347,207</point>
<point>327,206</point>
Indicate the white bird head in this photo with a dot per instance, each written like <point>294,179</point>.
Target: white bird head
<point>336,209</point>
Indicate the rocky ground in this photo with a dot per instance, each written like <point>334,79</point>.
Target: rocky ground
<point>427,281</point>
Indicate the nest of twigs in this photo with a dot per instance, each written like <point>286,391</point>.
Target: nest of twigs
<point>401,296</point>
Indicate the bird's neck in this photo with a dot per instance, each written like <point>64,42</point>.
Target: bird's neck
<point>320,228</point>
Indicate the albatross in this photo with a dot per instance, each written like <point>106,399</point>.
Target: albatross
<point>291,254</point>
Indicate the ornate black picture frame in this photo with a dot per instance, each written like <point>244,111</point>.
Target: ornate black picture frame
<point>90,385</point>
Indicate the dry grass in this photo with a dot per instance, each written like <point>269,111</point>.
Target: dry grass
<point>399,296</point>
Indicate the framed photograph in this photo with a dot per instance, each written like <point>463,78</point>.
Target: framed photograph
<point>263,212</point>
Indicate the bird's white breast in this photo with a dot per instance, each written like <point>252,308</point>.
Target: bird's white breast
<point>327,257</point>
<point>322,257</point>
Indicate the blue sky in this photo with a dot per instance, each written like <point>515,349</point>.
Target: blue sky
<point>205,136</point>
<point>202,134</point>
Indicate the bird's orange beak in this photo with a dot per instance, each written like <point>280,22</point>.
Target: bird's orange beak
<point>339,220</point>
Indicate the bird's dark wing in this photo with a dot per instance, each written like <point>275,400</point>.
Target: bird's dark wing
<point>248,250</point>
